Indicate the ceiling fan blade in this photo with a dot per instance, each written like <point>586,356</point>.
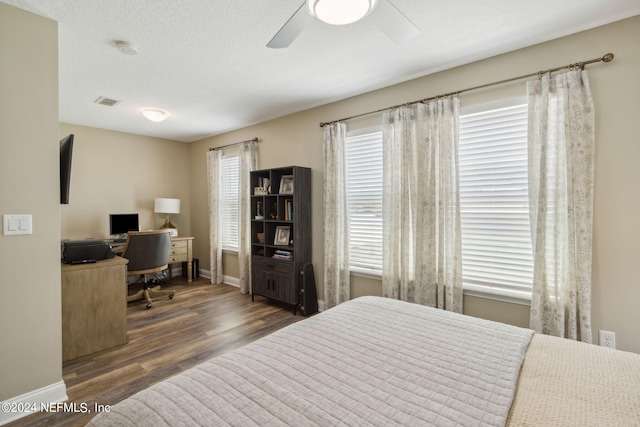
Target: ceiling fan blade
<point>292,29</point>
<point>392,22</point>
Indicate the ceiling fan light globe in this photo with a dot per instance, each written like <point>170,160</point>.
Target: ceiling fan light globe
<point>154,115</point>
<point>340,12</point>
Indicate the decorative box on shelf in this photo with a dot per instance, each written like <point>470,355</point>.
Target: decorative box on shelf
<point>260,191</point>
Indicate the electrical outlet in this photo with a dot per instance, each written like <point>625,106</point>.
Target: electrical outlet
<point>607,339</point>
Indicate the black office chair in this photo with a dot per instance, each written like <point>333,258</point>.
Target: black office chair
<point>148,252</point>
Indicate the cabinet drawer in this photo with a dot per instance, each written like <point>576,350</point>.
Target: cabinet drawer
<point>268,264</point>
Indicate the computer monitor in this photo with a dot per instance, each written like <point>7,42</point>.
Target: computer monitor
<point>121,224</point>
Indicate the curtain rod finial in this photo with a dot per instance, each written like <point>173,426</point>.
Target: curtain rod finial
<point>607,58</point>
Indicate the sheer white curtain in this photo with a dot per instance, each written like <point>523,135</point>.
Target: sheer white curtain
<point>336,234</point>
<point>421,205</point>
<point>399,146</point>
<point>214,177</point>
<point>248,161</point>
<point>561,181</point>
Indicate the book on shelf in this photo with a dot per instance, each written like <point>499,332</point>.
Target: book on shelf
<point>288,210</point>
<point>283,255</point>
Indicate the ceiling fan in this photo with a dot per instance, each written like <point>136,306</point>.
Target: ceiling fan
<point>381,13</point>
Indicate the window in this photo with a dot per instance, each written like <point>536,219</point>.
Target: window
<point>496,239</point>
<point>363,164</point>
<point>494,202</point>
<point>230,202</point>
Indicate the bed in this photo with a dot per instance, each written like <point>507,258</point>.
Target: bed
<point>379,362</point>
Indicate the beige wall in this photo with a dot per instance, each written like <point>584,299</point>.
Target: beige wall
<point>297,139</point>
<point>114,172</point>
<point>30,324</point>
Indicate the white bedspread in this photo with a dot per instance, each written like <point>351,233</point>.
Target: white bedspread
<point>369,361</point>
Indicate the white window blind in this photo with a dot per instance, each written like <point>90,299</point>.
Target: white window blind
<point>363,164</point>
<point>230,202</point>
<point>494,200</point>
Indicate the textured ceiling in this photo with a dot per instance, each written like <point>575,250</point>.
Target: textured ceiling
<point>206,63</point>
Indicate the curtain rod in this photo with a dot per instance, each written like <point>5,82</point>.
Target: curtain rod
<point>235,143</point>
<point>605,58</point>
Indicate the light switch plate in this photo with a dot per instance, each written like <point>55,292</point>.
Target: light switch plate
<point>16,224</point>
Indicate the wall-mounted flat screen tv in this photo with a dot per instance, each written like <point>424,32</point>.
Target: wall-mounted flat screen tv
<point>66,153</point>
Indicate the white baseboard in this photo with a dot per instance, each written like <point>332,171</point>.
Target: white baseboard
<point>230,280</point>
<point>28,403</point>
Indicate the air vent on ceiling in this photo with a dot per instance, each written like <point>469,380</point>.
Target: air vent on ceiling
<point>106,101</point>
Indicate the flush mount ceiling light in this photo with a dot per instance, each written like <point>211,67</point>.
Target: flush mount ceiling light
<point>125,47</point>
<point>154,115</point>
<point>340,12</point>
<point>381,13</point>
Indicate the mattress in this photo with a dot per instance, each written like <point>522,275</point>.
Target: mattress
<point>379,362</point>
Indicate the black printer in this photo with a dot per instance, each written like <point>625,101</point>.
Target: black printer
<point>85,251</point>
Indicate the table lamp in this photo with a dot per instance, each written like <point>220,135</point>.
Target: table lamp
<point>168,206</point>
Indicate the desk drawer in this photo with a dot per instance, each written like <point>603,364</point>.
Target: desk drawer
<point>179,251</point>
<point>179,244</point>
<point>178,254</point>
<point>178,258</point>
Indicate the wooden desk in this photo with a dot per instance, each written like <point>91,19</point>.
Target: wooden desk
<point>182,251</point>
<point>94,307</point>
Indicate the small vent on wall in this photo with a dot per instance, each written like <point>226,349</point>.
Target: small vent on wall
<point>106,101</point>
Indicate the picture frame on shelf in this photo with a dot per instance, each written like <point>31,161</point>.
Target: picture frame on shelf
<point>286,184</point>
<point>282,236</point>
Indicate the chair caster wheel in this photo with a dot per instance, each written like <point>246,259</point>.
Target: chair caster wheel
<point>149,306</point>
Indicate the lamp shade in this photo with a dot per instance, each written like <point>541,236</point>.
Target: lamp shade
<point>167,206</point>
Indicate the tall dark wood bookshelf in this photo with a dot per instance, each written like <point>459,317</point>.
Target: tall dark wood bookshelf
<point>280,231</point>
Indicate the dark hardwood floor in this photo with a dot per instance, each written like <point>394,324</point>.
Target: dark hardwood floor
<point>202,321</point>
